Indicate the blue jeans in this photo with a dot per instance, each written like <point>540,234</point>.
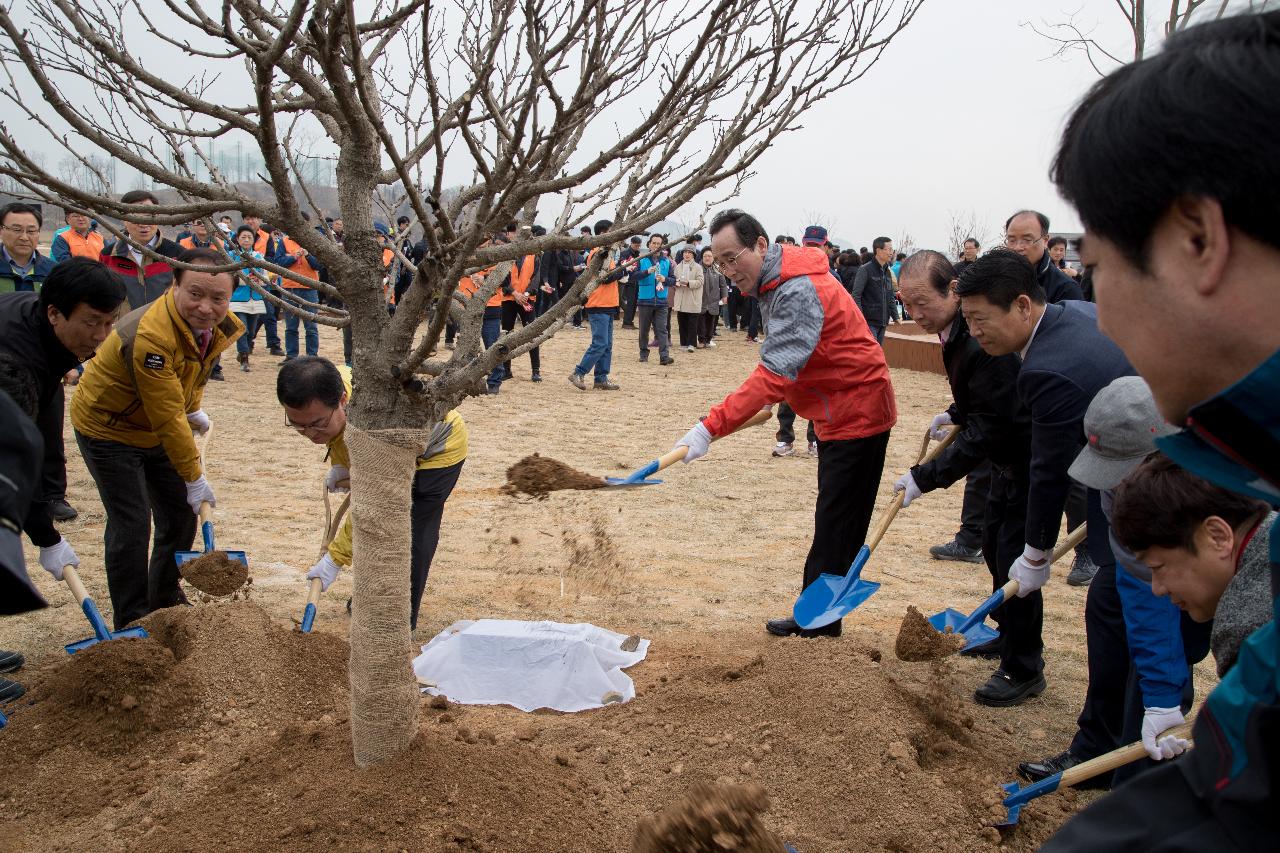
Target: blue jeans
<point>489,333</point>
<point>251,322</point>
<point>291,326</point>
<point>268,321</point>
<point>877,332</point>
<point>599,354</point>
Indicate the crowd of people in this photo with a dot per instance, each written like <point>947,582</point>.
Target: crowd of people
<point>1151,417</point>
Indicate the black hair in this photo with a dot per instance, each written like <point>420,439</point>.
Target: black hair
<point>637,239</point>
<point>311,377</point>
<point>199,257</point>
<point>1201,117</point>
<point>78,280</point>
<point>68,211</point>
<point>19,382</point>
<point>603,225</point>
<point>1055,241</point>
<point>401,220</point>
<point>934,266</point>
<point>880,242</point>
<point>781,240</point>
<point>21,207</point>
<point>1001,275</point>
<point>306,217</point>
<point>745,226</point>
<point>901,256</point>
<point>538,231</point>
<point>1040,217</point>
<point>976,244</point>
<point>1161,505</point>
<point>138,197</point>
<point>511,226</point>
<point>248,228</point>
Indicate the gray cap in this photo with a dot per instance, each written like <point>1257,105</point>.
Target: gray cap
<point>1121,426</point>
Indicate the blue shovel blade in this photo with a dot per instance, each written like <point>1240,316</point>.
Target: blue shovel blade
<point>187,556</point>
<point>1014,810</point>
<point>832,597</point>
<point>136,631</point>
<point>627,482</point>
<point>953,619</point>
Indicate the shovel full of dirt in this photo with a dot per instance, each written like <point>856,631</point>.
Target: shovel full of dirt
<point>211,571</point>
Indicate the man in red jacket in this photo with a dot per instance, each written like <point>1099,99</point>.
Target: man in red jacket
<point>820,357</point>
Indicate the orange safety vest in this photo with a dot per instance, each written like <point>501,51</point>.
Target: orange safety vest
<point>522,277</point>
<point>605,295</point>
<point>302,267</point>
<point>468,287</point>
<point>88,246</point>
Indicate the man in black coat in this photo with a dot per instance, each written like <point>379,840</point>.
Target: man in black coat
<point>873,287</point>
<point>20,454</point>
<point>995,426</point>
<point>1066,361</point>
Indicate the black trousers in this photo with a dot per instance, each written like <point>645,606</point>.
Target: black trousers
<point>756,320</point>
<point>707,327</point>
<point>1078,512</point>
<point>848,478</point>
<point>510,311</point>
<point>1021,620</point>
<point>973,511</point>
<point>53,472</point>
<point>627,295</point>
<point>1101,722</point>
<point>688,325</point>
<point>431,488</point>
<point>137,485</point>
<point>787,425</point>
<point>736,301</point>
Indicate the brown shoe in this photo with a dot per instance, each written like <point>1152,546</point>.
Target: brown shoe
<point>606,385</point>
<point>578,381</point>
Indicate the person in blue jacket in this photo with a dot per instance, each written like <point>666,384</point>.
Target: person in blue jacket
<point>651,298</point>
<point>1185,254</point>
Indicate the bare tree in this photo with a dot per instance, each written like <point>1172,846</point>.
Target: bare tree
<point>965,224</point>
<point>634,109</point>
<point>1073,35</point>
<point>905,244</point>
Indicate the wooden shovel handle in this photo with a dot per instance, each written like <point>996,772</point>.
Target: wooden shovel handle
<point>677,453</point>
<point>313,591</point>
<point>72,579</point>
<point>1118,757</point>
<point>333,520</point>
<point>1074,538</point>
<point>883,524</point>
<point>206,512</point>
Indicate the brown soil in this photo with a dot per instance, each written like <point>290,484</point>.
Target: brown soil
<point>215,573</point>
<point>594,563</point>
<point>538,476</point>
<point>710,819</point>
<point>918,640</point>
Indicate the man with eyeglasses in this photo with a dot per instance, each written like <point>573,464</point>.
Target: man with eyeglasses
<point>1027,233</point>
<point>821,358</point>
<point>22,267</point>
<point>136,415</point>
<point>145,277</point>
<point>315,395</point>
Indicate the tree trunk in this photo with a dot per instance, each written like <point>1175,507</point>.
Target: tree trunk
<point>384,698</point>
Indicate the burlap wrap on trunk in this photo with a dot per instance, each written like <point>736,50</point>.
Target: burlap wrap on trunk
<point>384,698</point>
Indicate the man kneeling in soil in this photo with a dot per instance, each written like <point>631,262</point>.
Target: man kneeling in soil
<point>822,359</point>
<point>315,395</point>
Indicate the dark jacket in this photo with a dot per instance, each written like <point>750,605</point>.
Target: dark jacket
<point>993,422</point>
<point>156,275</point>
<point>20,453</point>
<point>847,274</point>
<point>1067,363</point>
<point>11,283</point>
<point>25,332</point>
<point>1058,286</point>
<point>872,293</point>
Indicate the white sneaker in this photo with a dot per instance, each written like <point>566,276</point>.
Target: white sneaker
<point>782,448</point>
<point>711,343</point>
<point>813,449</point>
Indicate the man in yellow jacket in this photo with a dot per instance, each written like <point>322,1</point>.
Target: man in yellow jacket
<point>136,414</point>
<point>315,395</point>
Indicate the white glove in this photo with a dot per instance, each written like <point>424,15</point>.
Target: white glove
<point>199,491</point>
<point>698,440</point>
<point>907,483</point>
<point>55,557</point>
<point>1031,571</point>
<point>336,475</point>
<point>936,431</point>
<point>327,570</point>
<point>1155,721</point>
<point>199,421</point>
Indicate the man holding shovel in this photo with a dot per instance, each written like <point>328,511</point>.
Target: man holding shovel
<point>995,426</point>
<point>315,395</point>
<point>820,358</point>
<point>136,414</point>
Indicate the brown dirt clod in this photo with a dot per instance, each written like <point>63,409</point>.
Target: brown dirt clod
<point>710,819</point>
<point>215,573</point>
<point>919,641</point>
<point>538,476</point>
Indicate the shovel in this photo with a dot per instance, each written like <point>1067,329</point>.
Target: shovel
<point>313,588</point>
<point>206,531</point>
<point>100,632</point>
<point>972,626</point>
<point>833,597</point>
<point>1019,796</point>
<point>640,477</point>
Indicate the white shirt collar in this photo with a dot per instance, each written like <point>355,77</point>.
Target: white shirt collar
<point>946,333</point>
<point>1023,354</point>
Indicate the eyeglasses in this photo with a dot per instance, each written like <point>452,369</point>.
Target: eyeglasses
<point>318,425</point>
<point>18,229</point>
<point>728,263</point>
<point>1021,242</point>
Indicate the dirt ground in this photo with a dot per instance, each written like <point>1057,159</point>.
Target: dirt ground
<point>228,728</point>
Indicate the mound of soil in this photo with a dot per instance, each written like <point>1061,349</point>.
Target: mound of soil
<point>710,819</point>
<point>215,573</point>
<point>918,640</point>
<point>538,476</point>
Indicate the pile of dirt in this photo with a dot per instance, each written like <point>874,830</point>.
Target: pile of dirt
<point>538,476</point>
<point>918,640</point>
<point>710,819</point>
<point>215,573</point>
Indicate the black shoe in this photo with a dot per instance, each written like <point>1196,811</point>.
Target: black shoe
<point>990,650</point>
<point>667,360</point>
<point>1034,771</point>
<point>1002,691</point>
<point>953,550</point>
<point>507,374</point>
<point>276,351</point>
<point>628,325</point>
<point>1082,570</point>
<point>537,377</point>
<point>10,690</point>
<point>644,359</point>
<point>789,628</point>
<point>217,376</point>
<point>494,389</point>
<point>11,661</point>
<point>60,510</point>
